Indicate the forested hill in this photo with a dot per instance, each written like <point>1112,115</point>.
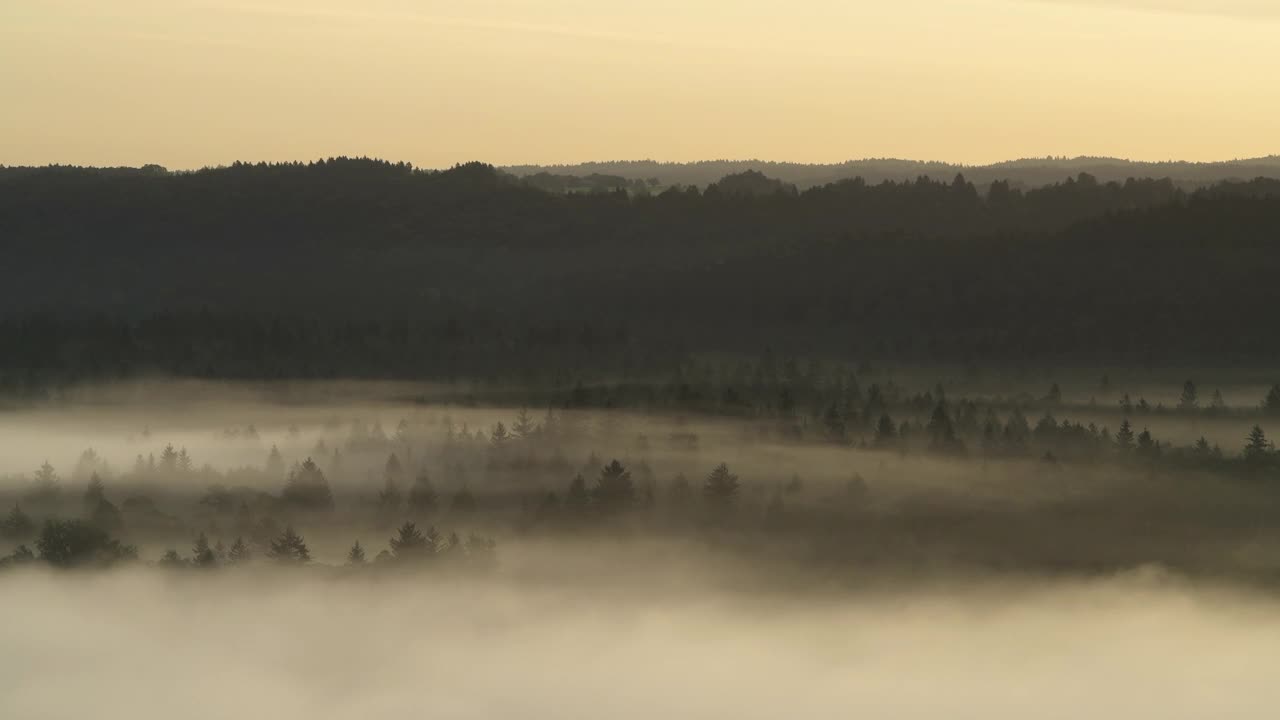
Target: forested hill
<point>1025,173</point>
<point>364,267</point>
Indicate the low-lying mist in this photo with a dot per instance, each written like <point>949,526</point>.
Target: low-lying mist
<point>205,551</point>
<point>140,643</point>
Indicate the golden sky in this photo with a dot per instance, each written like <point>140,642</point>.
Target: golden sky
<point>187,83</point>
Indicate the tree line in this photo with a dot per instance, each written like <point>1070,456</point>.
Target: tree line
<point>257,523</point>
<point>362,268</point>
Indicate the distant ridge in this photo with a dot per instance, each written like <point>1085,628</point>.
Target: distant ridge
<point>1025,172</point>
<point>654,176</point>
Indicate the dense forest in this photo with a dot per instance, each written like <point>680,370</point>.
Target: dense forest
<point>364,268</point>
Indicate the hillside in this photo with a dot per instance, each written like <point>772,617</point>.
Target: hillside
<point>353,266</point>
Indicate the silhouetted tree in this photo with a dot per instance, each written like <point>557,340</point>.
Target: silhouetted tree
<point>307,488</point>
<point>171,559</point>
<point>721,486</point>
<point>94,493</point>
<point>499,437</point>
<point>202,555</point>
<point>1271,403</point>
<point>1126,405</point>
<point>942,434</point>
<point>614,489</point>
<point>1147,446</point>
<point>88,463</point>
<point>275,463</point>
<point>523,427</point>
<point>17,525</point>
<point>75,543</point>
<point>885,431</point>
<point>355,556</point>
<point>169,461</point>
<point>410,543</point>
<point>289,548</point>
<point>1217,404</point>
<point>1257,448</point>
<point>1054,397</point>
<point>46,486</point>
<point>239,552</point>
<point>1124,436</point>
<point>1190,398</point>
<point>393,470</point>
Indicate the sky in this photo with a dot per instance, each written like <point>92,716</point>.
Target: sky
<point>191,83</point>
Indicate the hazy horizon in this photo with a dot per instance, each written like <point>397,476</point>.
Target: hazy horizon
<point>191,84</point>
<point>572,163</point>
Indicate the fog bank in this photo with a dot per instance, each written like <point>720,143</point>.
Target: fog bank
<point>143,644</point>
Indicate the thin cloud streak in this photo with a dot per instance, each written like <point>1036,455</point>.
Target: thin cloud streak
<point>1235,9</point>
<point>702,42</point>
<point>442,21</point>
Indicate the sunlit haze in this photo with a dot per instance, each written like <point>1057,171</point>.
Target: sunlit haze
<point>186,84</point>
<point>532,359</point>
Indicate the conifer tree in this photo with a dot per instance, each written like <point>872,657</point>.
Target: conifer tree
<point>94,493</point>
<point>411,543</point>
<point>721,486</point>
<point>885,431</point>
<point>202,554</point>
<point>942,434</point>
<point>17,525</point>
<point>46,487</point>
<point>499,437</point>
<point>614,489</point>
<point>1257,447</point>
<point>1055,395</point>
<point>834,424</point>
<point>307,488</point>
<point>171,559</point>
<point>169,460</point>
<point>1271,403</point>
<point>239,552</point>
<point>355,556</point>
<point>1147,446</point>
<point>1124,436</point>
<point>1217,404</point>
<point>289,548</point>
<point>275,463</point>
<point>1190,398</point>
<point>523,428</point>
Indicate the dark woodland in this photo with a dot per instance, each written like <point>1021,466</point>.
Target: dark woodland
<point>359,268</point>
